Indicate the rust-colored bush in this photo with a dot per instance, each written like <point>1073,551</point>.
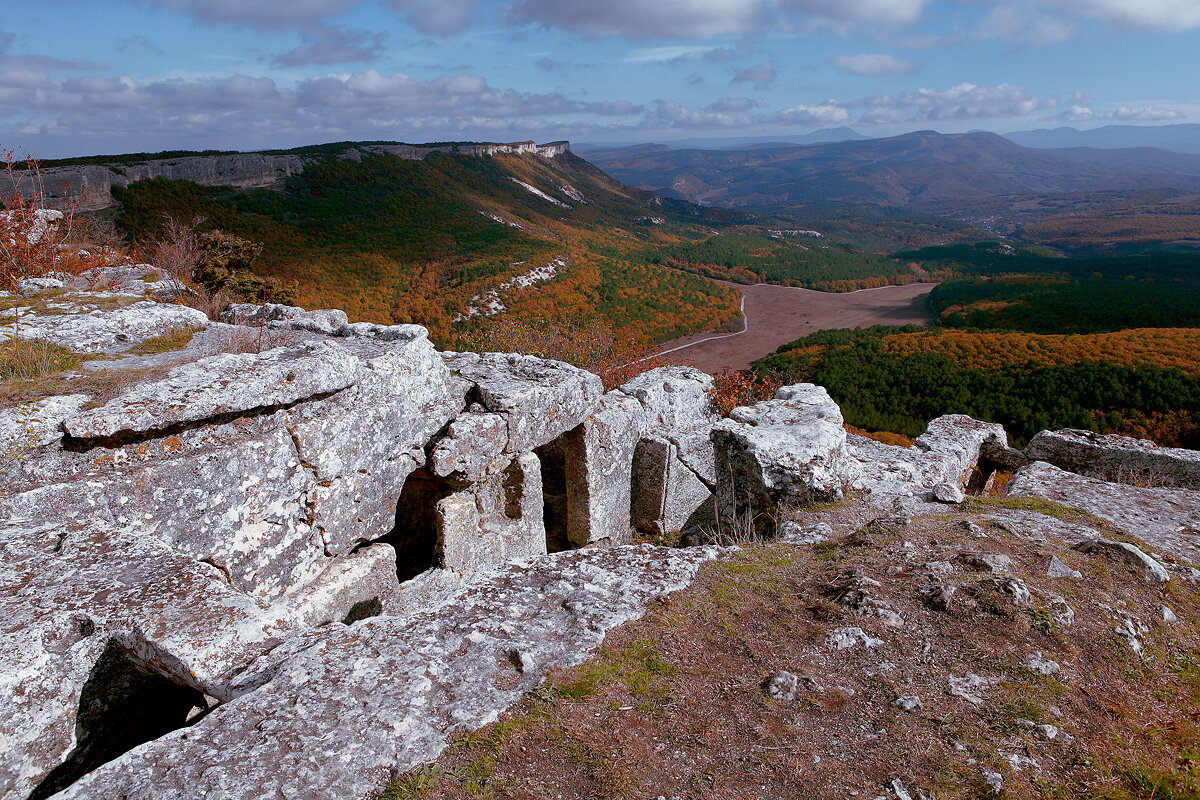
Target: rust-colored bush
<point>742,388</point>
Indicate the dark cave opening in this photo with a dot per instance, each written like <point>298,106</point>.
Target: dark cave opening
<point>121,706</point>
<point>415,534</point>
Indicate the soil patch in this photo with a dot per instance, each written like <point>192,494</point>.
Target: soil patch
<point>925,658</point>
<point>781,314</point>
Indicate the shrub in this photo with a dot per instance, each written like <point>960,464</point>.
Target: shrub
<point>742,388</point>
<point>34,238</point>
<point>590,344</point>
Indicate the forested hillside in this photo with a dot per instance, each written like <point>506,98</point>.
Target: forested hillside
<point>396,240</point>
<point>1140,382</point>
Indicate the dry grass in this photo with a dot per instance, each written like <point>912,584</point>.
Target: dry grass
<point>32,359</point>
<point>673,706</point>
<point>170,341</point>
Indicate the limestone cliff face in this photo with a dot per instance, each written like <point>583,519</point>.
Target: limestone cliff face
<point>91,185</point>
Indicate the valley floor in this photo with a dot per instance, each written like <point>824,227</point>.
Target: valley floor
<point>781,314</point>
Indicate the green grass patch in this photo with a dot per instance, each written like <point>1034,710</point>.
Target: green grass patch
<point>170,341</point>
<point>411,786</point>
<point>637,666</point>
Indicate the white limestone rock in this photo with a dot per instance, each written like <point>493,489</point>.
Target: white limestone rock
<point>1150,569</point>
<point>540,400</point>
<point>74,592</point>
<point>949,493</point>
<point>674,468</point>
<point>475,445</point>
<point>945,454</point>
<point>785,451</point>
<point>599,467</point>
<point>362,584</point>
<point>1111,457</point>
<point>219,385</point>
<point>276,315</point>
<point>362,443</point>
<point>105,331</point>
<point>668,496</point>
<point>317,729</point>
<point>1167,519</point>
<point>847,637</point>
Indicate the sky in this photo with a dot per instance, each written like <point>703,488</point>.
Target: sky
<point>81,77</point>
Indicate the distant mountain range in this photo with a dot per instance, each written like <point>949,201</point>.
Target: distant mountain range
<point>840,134</point>
<point>924,169</point>
<point>1180,138</point>
<point>1077,198</point>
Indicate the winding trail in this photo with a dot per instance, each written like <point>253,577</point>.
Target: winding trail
<point>785,313</point>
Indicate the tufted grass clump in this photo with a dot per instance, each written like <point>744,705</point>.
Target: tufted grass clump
<point>31,359</point>
<point>167,342</point>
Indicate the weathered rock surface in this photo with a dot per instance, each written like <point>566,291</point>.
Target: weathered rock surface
<point>1168,519</point>
<point>599,467</point>
<point>104,331</point>
<point>276,315</point>
<point>73,593</point>
<point>946,454</point>
<point>318,729</point>
<point>674,466</point>
<point>224,384</point>
<point>363,443</point>
<point>788,450</point>
<point>1117,458</point>
<point>1130,553</point>
<point>540,400</point>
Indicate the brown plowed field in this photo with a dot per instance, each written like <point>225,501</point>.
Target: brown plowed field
<point>777,315</point>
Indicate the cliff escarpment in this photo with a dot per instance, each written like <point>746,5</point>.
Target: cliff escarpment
<point>89,185</point>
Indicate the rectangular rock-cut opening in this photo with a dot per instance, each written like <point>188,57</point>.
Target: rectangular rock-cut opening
<point>121,706</point>
<point>415,535</point>
<point>554,494</point>
<point>565,503</point>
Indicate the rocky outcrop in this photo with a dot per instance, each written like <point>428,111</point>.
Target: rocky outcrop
<point>100,330</point>
<point>110,638</point>
<point>1117,458</point>
<point>952,450</point>
<point>1165,518</point>
<point>787,451</point>
<point>323,728</point>
<point>89,186</point>
<point>674,471</point>
<point>289,572</point>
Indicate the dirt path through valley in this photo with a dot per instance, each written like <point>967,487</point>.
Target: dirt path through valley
<point>776,315</point>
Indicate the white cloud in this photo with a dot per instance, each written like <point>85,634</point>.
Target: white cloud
<point>638,19</point>
<point>670,114</point>
<point>961,102</point>
<point>1047,22</point>
<point>874,64</point>
<point>440,17</point>
<point>366,104</point>
<point>667,53</point>
<point>1122,113</point>
<point>735,105</point>
<point>761,75</point>
<point>828,113</point>
<point>891,12</point>
<point>1162,15</point>
<point>332,45</point>
<point>261,14</point>
<point>1022,23</point>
